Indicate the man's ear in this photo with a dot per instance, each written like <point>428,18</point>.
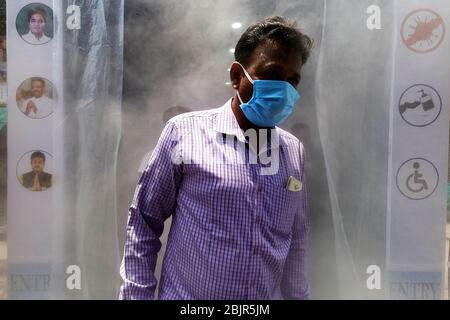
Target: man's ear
<point>236,75</point>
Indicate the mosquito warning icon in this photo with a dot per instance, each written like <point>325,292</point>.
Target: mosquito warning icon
<point>423,30</point>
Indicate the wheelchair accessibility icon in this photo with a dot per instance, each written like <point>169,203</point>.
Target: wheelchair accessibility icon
<point>417,179</point>
<point>415,183</point>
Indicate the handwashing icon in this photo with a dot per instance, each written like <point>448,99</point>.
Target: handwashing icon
<point>425,100</point>
<point>420,105</point>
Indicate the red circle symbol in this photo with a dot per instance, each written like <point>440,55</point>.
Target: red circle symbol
<point>423,31</point>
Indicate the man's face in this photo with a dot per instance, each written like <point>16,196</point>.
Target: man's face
<point>37,88</point>
<point>269,61</point>
<point>37,24</point>
<point>37,164</point>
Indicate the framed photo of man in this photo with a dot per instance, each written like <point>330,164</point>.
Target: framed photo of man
<point>34,171</point>
<point>36,97</point>
<point>34,24</point>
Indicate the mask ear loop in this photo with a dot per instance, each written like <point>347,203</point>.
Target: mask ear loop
<point>248,78</point>
<point>245,72</point>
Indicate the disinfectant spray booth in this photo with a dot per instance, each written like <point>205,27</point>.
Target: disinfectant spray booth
<point>374,120</point>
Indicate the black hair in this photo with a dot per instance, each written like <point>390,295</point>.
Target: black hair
<point>37,154</point>
<point>38,79</point>
<point>276,29</point>
<point>38,11</point>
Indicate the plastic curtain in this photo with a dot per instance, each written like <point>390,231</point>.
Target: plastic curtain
<point>172,59</point>
<point>86,227</point>
<point>353,88</point>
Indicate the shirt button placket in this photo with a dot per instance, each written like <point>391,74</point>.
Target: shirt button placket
<point>256,234</point>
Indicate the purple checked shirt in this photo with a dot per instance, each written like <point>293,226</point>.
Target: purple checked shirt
<point>236,234</point>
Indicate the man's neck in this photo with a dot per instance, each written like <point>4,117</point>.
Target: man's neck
<point>38,35</point>
<point>243,122</point>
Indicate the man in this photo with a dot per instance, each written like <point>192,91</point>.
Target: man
<point>39,106</point>
<point>37,179</point>
<point>167,115</point>
<point>239,231</point>
<point>37,19</point>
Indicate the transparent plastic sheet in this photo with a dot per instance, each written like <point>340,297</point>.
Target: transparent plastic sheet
<point>348,229</point>
<point>172,59</point>
<point>356,97</point>
<point>353,87</point>
<point>85,228</point>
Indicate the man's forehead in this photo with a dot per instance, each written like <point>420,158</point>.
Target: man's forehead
<point>273,55</point>
<point>37,16</point>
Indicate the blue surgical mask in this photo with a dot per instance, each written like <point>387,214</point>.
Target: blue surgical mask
<point>272,101</point>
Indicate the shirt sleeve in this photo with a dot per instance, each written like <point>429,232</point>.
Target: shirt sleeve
<point>295,285</point>
<point>24,106</point>
<point>154,201</point>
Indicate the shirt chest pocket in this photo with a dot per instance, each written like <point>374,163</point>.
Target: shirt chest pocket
<point>280,206</point>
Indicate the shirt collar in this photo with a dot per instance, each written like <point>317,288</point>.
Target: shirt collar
<point>226,123</point>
